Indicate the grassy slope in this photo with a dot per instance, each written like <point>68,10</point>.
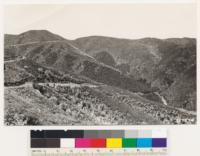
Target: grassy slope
<point>57,107</point>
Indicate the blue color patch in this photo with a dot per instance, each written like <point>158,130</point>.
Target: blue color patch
<point>144,143</point>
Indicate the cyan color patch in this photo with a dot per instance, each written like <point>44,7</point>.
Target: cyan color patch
<point>144,143</point>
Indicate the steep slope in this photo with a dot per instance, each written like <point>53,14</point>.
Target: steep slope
<point>62,105</point>
<point>139,57</point>
<point>65,57</point>
<point>146,65</point>
<point>105,58</point>
<point>175,74</point>
<point>95,80</point>
<point>168,64</point>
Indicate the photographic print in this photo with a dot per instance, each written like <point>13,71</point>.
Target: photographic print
<point>100,64</point>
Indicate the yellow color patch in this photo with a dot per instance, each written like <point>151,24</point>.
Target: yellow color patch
<point>114,143</point>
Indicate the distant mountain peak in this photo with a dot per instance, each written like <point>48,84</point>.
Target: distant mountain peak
<point>32,36</point>
<point>45,34</point>
<point>37,31</point>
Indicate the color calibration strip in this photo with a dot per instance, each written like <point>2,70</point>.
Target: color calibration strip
<point>98,141</point>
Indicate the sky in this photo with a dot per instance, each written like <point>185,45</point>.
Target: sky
<point>116,20</point>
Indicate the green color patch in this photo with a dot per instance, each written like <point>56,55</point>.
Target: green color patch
<point>129,143</point>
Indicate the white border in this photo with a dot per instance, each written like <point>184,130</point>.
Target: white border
<point>94,1</point>
<point>183,139</point>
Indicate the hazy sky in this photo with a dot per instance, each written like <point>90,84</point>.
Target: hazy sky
<point>117,20</point>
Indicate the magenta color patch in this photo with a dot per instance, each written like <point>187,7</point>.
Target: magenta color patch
<point>82,143</point>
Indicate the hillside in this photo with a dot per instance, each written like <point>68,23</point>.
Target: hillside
<point>63,56</point>
<point>31,36</point>
<point>127,78</point>
<point>161,63</point>
<point>140,57</point>
<point>176,74</point>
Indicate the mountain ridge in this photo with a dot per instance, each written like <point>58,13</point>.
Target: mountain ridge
<point>147,60</point>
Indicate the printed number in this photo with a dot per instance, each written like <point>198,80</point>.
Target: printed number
<point>164,149</point>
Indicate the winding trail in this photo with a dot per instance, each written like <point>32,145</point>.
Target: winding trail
<point>71,85</point>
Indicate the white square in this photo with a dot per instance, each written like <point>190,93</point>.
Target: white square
<point>159,133</point>
<point>67,143</point>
